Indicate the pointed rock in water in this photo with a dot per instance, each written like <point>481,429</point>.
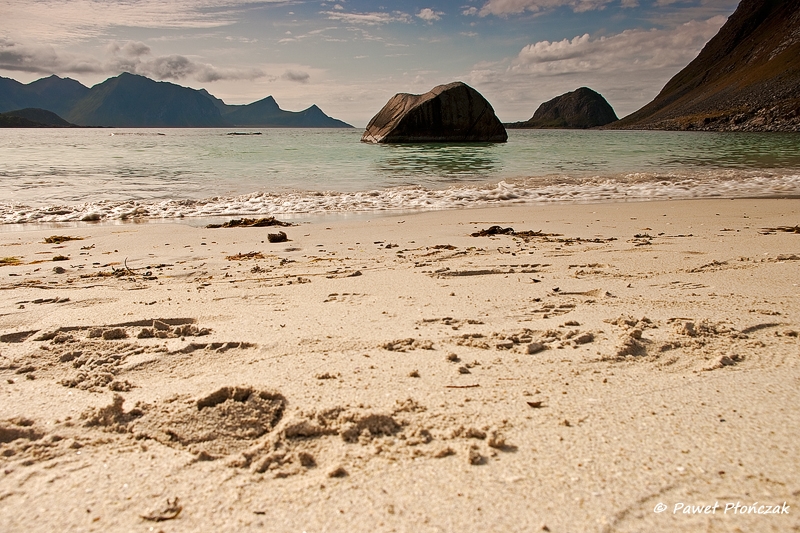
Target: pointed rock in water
<point>447,113</point>
<point>582,108</point>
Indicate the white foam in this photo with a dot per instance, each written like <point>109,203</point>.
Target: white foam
<point>552,189</point>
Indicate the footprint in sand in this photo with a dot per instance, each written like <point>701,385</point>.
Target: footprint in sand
<point>224,422</point>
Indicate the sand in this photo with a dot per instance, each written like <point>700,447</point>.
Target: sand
<point>579,372</point>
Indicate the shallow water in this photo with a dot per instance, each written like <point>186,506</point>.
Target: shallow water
<point>58,175</point>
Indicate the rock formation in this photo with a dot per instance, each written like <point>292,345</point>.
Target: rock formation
<point>580,109</point>
<point>448,113</point>
<point>746,78</point>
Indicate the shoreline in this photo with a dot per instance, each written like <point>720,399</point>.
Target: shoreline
<point>395,372</point>
<point>201,221</point>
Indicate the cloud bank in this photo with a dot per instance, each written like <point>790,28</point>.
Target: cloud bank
<point>370,19</point>
<point>60,21</point>
<point>504,8</point>
<point>132,56</point>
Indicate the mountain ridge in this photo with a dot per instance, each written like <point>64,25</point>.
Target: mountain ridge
<point>130,100</point>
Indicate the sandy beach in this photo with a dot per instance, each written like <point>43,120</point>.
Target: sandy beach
<point>567,368</point>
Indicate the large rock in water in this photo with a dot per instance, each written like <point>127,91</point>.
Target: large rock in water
<point>746,78</point>
<point>447,113</point>
<point>580,109</point>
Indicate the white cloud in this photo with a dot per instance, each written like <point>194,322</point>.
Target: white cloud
<point>470,11</point>
<point>370,19</point>
<point>298,76</point>
<point>429,15</point>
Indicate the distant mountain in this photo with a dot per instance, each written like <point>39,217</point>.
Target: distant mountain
<point>747,77</point>
<point>52,93</point>
<point>266,112</point>
<point>33,118</point>
<point>579,109</point>
<point>129,100</point>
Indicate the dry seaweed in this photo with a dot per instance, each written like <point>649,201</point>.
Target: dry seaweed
<point>529,235</point>
<point>242,257</point>
<point>58,239</point>
<point>250,223</point>
<point>785,229</point>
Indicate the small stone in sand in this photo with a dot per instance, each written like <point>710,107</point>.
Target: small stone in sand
<point>171,510</point>
<point>475,433</point>
<point>339,471</point>
<point>535,347</point>
<point>307,460</point>
<point>496,440</point>
<point>463,370</point>
<point>443,452</point>
<point>453,358</point>
<point>474,456</point>
<point>413,374</point>
<point>114,334</point>
<point>277,237</point>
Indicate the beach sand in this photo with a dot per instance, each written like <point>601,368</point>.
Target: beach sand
<point>396,373</point>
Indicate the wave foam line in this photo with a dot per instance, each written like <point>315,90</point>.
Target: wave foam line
<point>632,187</point>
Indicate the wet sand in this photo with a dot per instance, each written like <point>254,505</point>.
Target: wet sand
<point>398,373</point>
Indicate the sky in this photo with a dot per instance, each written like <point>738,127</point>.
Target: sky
<point>350,56</point>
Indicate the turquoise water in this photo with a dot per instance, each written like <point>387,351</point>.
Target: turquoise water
<point>95,174</point>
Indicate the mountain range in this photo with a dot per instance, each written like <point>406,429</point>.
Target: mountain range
<point>130,100</point>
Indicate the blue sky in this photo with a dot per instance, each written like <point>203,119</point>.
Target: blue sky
<point>349,57</point>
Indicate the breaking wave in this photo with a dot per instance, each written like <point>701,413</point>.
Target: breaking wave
<point>538,190</point>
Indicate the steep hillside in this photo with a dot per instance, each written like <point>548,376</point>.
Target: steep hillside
<point>579,109</point>
<point>747,77</point>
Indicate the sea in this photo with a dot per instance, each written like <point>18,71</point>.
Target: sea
<point>123,175</point>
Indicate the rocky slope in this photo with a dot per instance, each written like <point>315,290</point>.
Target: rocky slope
<point>579,109</point>
<point>746,78</point>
